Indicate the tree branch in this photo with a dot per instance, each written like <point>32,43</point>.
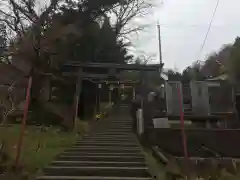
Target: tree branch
<point>131,30</point>
<point>16,7</point>
<point>30,7</point>
<point>124,14</point>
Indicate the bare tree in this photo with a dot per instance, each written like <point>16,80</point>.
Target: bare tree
<point>27,21</point>
<point>126,12</point>
<point>27,18</point>
<point>143,58</point>
<point>18,15</point>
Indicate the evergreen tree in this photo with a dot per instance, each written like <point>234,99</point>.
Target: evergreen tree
<point>235,60</point>
<point>109,48</point>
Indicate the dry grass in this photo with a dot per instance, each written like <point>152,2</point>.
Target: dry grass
<point>155,168</point>
<point>39,146</point>
<point>204,170</point>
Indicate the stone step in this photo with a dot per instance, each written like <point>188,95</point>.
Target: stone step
<point>101,158</point>
<point>97,171</point>
<point>122,119</point>
<point>119,136</point>
<point>123,122</point>
<point>111,129</point>
<point>104,149</point>
<point>128,121</point>
<point>117,124</point>
<point>99,163</point>
<point>115,128</point>
<point>111,137</point>
<point>119,130</point>
<point>77,153</point>
<point>104,132</point>
<point>102,153</point>
<point>124,144</point>
<point>113,134</point>
<point>130,138</point>
<point>109,140</point>
<point>129,130</point>
<point>109,152</point>
<point>120,124</point>
<point>90,178</point>
<point>115,139</point>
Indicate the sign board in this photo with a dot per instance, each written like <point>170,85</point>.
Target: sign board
<point>221,98</point>
<point>161,123</point>
<point>172,99</point>
<point>200,98</point>
<point>211,97</point>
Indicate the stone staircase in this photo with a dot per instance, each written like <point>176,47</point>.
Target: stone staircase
<point>110,152</point>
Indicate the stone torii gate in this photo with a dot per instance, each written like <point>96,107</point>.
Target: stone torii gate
<point>110,71</point>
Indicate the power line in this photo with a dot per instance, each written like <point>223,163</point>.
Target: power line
<point>179,25</point>
<point>208,30</point>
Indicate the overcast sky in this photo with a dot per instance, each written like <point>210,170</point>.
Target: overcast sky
<point>184,26</point>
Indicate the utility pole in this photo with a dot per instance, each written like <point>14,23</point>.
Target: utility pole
<point>160,42</point>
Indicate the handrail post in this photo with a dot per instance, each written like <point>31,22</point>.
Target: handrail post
<point>23,123</point>
<point>184,138</point>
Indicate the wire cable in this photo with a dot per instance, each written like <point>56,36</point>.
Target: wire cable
<point>208,30</point>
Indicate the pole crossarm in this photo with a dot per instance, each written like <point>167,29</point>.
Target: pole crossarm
<point>133,67</point>
<point>125,82</point>
<point>88,75</point>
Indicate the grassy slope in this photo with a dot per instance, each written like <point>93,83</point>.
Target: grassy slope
<point>155,168</point>
<point>39,148</point>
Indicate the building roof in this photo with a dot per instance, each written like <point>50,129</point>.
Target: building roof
<point>222,77</point>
